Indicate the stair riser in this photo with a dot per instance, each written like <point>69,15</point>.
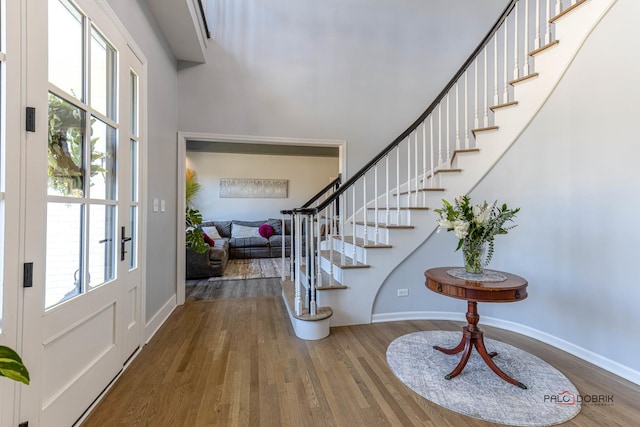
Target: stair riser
<point>402,217</point>
<point>383,233</point>
<point>325,281</point>
<point>360,252</point>
<point>333,270</point>
<point>422,199</point>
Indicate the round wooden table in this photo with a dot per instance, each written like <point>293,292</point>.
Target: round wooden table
<point>514,288</point>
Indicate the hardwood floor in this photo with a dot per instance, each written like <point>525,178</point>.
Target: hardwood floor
<point>203,290</point>
<point>237,362</point>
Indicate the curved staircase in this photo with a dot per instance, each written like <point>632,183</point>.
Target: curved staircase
<point>384,212</point>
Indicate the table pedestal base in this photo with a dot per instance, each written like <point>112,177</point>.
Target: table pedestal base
<point>472,337</point>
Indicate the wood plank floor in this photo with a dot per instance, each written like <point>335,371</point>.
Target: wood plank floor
<point>203,290</point>
<point>237,362</point>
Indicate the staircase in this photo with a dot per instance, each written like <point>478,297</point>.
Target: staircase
<point>348,239</point>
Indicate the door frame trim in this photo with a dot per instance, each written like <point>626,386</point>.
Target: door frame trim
<point>181,156</point>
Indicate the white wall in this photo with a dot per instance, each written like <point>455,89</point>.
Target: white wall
<point>355,70</point>
<point>574,172</point>
<point>306,175</point>
<point>162,133</point>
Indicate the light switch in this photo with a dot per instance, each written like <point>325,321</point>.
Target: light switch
<point>155,204</point>
<point>163,205</point>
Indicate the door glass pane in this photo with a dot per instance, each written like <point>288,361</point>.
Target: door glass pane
<point>66,135</point>
<point>64,276</point>
<point>103,71</point>
<point>103,165</point>
<point>133,227</point>
<point>102,239</point>
<point>66,47</point>
<point>2,142</point>
<point>134,104</point>
<point>1,252</point>
<point>134,171</point>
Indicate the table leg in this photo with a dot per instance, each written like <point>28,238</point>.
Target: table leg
<point>455,350</point>
<point>468,346</point>
<point>472,336</point>
<point>478,342</point>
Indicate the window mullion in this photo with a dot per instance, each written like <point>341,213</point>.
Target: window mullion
<point>104,119</point>
<point>68,98</point>
<point>86,214</point>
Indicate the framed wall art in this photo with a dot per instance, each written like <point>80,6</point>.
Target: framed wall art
<point>254,188</point>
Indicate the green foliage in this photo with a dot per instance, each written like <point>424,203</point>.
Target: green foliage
<point>192,186</point>
<point>193,236</point>
<point>475,224</point>
<point>11,366</point>
<point>193,217</point>
<point>66,135</point>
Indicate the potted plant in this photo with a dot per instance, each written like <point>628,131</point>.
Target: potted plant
<point>193,217</point>
<point>11,366</point>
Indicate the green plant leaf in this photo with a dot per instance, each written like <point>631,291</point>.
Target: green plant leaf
<point>11,366</point>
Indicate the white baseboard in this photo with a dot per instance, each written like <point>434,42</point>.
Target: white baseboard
<point>612,366</point>
<point>159,318</point>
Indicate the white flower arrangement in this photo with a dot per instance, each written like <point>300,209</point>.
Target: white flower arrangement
<point>474,225</point>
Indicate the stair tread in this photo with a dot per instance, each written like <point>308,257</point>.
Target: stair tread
<point>420,189</point>
<point>484,129</point>
<point>402,208</point>
<point>566,11</point>
<point>336,260</point>
<point>448,170</point>
<point>382,225</point>
<point>289,293</point>
<point>505,105</point>
<point>543,48</point>
<point>462,151</point>
<point>369,244</point>
<point>523,78</point>
<point>434,189</point>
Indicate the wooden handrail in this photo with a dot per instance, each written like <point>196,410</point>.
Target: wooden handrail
<point>332,184</point>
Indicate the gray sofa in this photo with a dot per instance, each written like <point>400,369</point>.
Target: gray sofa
<point>213,262</point>
<point>253,247</point>
<point>208,264</point>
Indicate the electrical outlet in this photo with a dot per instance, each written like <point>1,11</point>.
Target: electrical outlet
<point>403,292</point>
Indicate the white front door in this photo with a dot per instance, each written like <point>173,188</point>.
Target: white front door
<point>83,315</point>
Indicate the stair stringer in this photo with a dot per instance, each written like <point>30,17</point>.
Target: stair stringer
<point>354,305</point>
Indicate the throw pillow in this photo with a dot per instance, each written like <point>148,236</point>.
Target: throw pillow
<point>208,239</point>
<point>265,230</point>
<point>240,231</point>
<point>212,232</point>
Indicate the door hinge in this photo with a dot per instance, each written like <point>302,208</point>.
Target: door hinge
<point>24,424</point>
<point>27,280</point>
<point>31,119</point>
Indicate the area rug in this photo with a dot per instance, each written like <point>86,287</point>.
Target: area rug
<point>478,392</point>
<point>254,268</point>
